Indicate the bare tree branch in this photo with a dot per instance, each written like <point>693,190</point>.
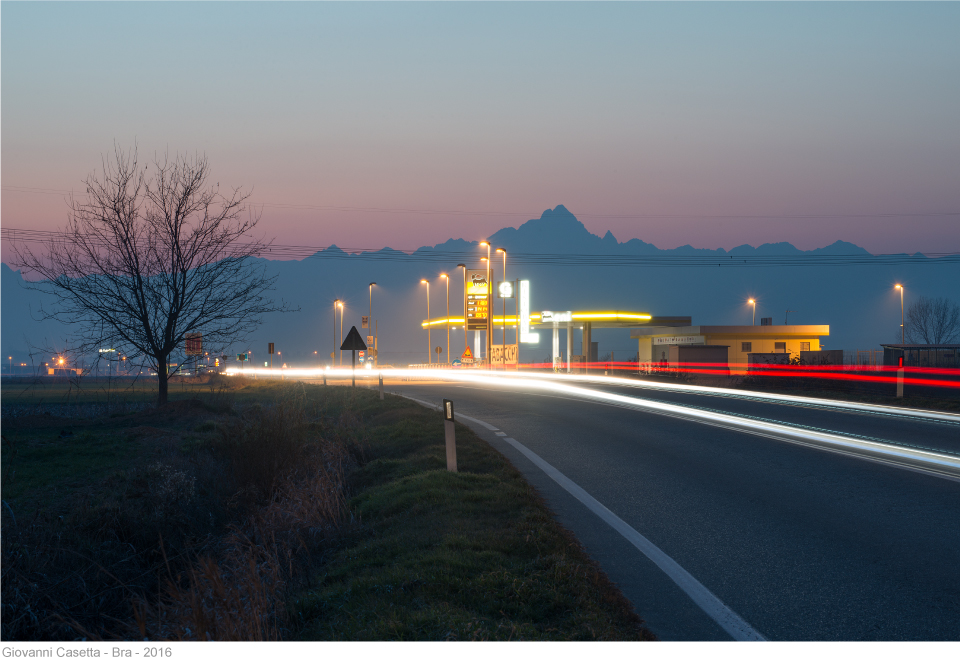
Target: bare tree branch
<point>147,259</point>
<point>933,321</point>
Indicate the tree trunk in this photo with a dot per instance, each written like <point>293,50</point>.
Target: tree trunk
<point>163,380</point>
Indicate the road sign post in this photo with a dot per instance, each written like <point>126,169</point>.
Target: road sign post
<point>353,343</point>
<point>381,387</point>
<point>450,435</point>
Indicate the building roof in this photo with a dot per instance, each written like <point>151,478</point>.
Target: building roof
<point>734,330</point>
<point>612,318</point>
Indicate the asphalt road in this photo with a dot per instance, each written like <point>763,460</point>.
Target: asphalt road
<point>802,544</point>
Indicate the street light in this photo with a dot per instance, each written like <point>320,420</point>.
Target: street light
<point>444,276</point>
<point>370,319</point>
<point>504,328</point>
<point>333,362</point>
<point>489,303</point>
<point>429,341</point>
<point>902,327</point>
<point>464,267</point>
<point>341,332</point>
<point>754,303</point>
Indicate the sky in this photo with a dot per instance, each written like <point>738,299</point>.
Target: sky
<point>370,125</point>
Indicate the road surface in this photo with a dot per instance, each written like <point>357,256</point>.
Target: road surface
<point>797,543</point>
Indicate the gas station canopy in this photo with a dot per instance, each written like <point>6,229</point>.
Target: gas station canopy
<point>615,318</point>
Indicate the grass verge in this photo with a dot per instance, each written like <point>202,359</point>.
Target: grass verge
<point>473,555</point>
<point>266,510</point>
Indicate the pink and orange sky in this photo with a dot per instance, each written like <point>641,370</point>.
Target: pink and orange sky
<point>705,124</point>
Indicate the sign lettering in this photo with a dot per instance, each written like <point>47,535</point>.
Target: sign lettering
<point>477,295</point>
<point>683,339</point>
<point>500,355</point>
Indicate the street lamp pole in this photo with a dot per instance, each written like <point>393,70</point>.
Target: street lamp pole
<point>489,304</point>
<point>902,326</point>
<point>333,358</point>
<point>341,331</point>
<point>370,317</point>
<point>503,334</point>
<point>444,276</point>
<point>429,341</point>
<point>754,303</point>
<point>464,267</point>
<point>371,349</point>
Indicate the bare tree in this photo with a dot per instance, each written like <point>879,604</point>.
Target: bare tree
<point>150,257</point>
<point>932,321</point>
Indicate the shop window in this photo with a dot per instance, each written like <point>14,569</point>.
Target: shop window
<point>779,347</point>
<point>746,347</point>
<point>804,346</point>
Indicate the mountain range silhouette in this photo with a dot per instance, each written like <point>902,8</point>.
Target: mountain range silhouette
<point>857,301</point>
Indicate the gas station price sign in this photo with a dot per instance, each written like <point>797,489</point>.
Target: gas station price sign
<point>477,295</point>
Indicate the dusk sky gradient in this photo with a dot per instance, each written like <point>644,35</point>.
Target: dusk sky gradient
<point>642,109</point>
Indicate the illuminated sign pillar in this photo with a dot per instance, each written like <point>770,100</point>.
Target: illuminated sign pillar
<point>556,347</point>
<point>526,336</point>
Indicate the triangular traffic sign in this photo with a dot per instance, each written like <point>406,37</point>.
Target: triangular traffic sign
<point>467,354</point>
<point>353,342</point>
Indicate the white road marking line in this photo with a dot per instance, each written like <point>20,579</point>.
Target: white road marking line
<point>489,427</point>
<point>482,423</point>
<point>725,617</point>
<point>715,608</point>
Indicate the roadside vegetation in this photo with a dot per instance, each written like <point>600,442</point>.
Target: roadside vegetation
<point>246,510</point>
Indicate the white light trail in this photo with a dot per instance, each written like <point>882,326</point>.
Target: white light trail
<point>931,462</point>
<point>503,378</point>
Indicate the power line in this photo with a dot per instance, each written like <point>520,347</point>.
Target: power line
<point>440,256</point>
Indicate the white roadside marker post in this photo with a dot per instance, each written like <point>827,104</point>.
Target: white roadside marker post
<point>381,387</point>
<point>450,435</point>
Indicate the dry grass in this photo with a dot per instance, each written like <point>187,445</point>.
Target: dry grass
<point>202,534</point>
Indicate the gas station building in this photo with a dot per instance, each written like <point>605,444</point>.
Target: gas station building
<point>660,339</point>
<point>741,340</point>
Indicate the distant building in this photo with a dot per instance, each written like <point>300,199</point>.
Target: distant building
<point>654,342</point>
